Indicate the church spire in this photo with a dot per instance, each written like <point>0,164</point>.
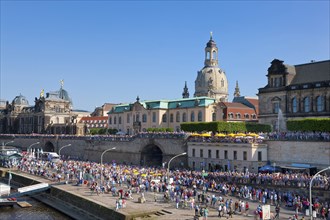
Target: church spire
<point>211,53</point>
<point>185,93</point>
<point>237,93</point>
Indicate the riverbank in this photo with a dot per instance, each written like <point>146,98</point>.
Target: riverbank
<point>79,203</point>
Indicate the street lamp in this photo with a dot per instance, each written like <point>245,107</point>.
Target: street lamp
<point>169,162</point>
<point>59,151</point>
<point>4,144</point>
<point>102,160</point>
<point>310,191</point>
<point>32,145</point>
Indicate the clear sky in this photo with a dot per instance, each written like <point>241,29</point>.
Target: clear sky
<point>113,51</point>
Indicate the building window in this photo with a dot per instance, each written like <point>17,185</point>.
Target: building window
<point>144,118</point>
<point>110,120</point>
<point>238,116</point>
<point>214,116</point>
<point>246,116</point>
<point>230,115</point>
<point>294,105</point>
<point>217,154</point>
<point>244,155</point>
<point>171,118</point>
<point>226,154</point>
<point>184,117</point>
<point>259,156</point>
<point>177,117</point>
<point>201,153</point>
<point>193,152</point>
<point>164,118</point>
<point>200,116</point>
<point>119,120</point>
<point>154,117</point>
<point>192,117</point>
<point>128,119</point>
<point>138,117</point>
<point>235,155</point>
<point>319,104</point>
<point>306,104</point>
<point>193,165</point>
<point>276,107</point>
<point>115,120</point>
<point>209,154</point>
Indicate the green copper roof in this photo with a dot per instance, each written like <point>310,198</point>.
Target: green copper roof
<point>166,104</point>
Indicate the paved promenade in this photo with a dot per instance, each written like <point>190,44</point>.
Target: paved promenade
<point>154,210</point>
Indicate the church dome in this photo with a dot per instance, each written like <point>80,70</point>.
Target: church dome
<point>211,43</point>
<point>20,100</point>
<point>63,94</point>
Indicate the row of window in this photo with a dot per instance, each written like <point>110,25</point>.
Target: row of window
<point>238,116</point>
<point>178,117</point>
<point>96,125</point>
<point>225,156</point>
<point>96,121</point>
<point>307,105</point>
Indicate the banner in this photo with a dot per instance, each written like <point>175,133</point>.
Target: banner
<point>265,212</point>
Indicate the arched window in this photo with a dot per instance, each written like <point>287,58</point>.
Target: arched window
<point>238,115</point>
<point>214,116</point>
<point>208,54</point>
<point>184,117</point>
<point>254,116</point>
<point>294,105</point>
<point>119,120</point>
<point>246,116</point>
<point>192,117</point>
<point>319,103</point>
<point>171,117</point>
<point>144,118</point>
<point>306,104</point>
<point>154,117</point>
<point>214,55</point>
<point>177,117</point>
<point>115,120</point>
<point>164,118</point>
<point>230,115</point>
<point>200,116</point>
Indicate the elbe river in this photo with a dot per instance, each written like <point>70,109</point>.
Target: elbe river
<point>38,211</point>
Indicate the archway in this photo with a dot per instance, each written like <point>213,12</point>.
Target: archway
<point>49,147</point>
<point>151,155</point>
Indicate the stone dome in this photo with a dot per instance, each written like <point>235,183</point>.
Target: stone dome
<point>212,82</point>
<point>20,100</point>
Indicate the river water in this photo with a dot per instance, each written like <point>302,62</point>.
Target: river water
<point>38,211</point>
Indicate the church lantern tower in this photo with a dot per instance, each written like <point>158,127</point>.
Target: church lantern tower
<point>211,81</point>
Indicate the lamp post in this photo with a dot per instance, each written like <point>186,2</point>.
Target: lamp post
<point>102,161</point>
<point>310,191</point>
<point>4,144</point>
<point>169,162</point>
<point>59,151</point>
<point>29,147</point>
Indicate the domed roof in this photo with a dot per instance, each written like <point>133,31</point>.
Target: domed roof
<point>20,100</point>
<point>63,94</point>
<point>211,43</point>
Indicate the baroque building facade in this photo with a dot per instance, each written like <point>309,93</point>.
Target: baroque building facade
<point>51,114</point>
<point>210,103</point>
<point>295,92</point>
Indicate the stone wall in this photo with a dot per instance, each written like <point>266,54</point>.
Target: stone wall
<point>303,152</point>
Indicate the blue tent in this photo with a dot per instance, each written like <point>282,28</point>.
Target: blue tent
<point>269,169</point>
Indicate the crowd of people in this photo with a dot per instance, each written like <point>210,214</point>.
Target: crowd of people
<point>185,188</point>
<point>287,136</point>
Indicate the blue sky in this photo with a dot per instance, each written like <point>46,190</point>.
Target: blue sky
<point>112,51</point>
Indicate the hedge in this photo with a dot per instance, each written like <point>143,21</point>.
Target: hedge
<point>309,124</point>
<point>226,127</point>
